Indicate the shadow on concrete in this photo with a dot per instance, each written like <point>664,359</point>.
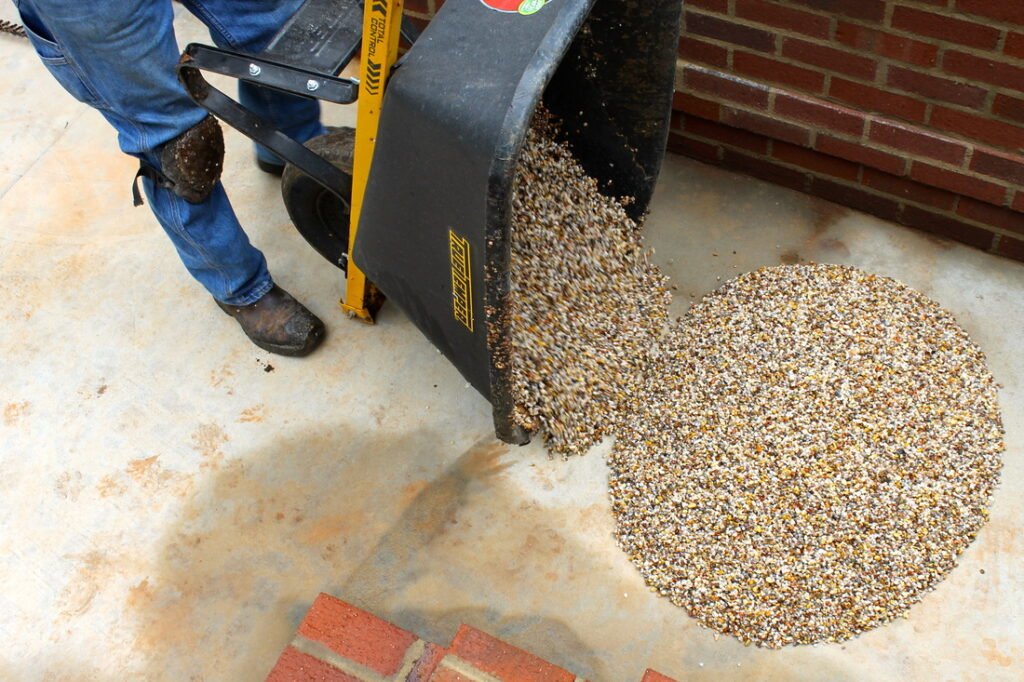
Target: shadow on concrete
<point>372,518</point>
<point>396,562</point>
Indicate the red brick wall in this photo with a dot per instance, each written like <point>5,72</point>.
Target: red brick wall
<point>422,10</point>
<point>908,109</point>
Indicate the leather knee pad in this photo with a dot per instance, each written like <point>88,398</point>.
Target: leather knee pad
<point>193,161</point>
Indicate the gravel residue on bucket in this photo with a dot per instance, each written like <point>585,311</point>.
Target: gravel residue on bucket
<point>587,303</point>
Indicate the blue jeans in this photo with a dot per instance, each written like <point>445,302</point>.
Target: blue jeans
<point>119,57</point>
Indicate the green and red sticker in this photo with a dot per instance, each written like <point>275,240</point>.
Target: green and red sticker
<point>518,6</point>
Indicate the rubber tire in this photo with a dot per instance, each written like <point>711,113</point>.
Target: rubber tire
<point>320,216</point>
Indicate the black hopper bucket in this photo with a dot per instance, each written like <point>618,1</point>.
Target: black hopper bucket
<point>434,232</point>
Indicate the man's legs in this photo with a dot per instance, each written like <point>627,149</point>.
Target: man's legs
<point>119,57</point>
<point>248,26</point>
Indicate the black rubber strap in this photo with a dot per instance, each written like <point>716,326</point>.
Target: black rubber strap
<point>147,170</point>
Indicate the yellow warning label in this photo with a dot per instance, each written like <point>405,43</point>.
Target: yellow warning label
<point>462,282</point>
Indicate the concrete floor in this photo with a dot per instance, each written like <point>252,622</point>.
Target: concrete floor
<point>171,507</point>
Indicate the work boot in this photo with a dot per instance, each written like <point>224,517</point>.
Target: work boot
<point>278,323</point>
<point>269,167</point>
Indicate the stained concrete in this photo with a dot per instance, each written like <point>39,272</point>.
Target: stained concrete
<point>171,505</point>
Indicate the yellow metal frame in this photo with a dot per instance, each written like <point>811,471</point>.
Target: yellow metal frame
<point>382,21</point>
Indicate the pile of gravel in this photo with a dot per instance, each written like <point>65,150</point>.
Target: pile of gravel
<point>798,459</point>
<point>818,446</point>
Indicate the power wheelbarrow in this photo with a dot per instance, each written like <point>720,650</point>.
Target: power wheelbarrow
<point>416,203</point>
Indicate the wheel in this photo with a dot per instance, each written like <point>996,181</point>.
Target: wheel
<point>320,216</point>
